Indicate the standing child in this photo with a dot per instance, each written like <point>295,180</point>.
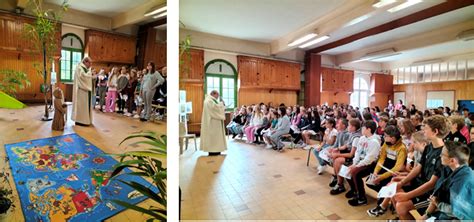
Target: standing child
<point>138,96</point>
<point>59,110</point>
<point>102,85</point>
<point>130,91</point>
<point>122,82</point>
<point>112,90</point>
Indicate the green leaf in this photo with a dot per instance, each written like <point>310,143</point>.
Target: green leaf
<point>140,209</point>
<point>144,190</point>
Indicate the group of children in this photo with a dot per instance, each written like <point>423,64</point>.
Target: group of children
<point>429,155</point>
<point>130,92</point>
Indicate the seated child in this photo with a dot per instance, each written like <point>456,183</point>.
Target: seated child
<point>364,161</point>
<point>392,156</point>
<point>454,192</point>
<point>59,110</point>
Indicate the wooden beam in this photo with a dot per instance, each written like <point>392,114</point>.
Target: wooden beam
<point>436,10</point>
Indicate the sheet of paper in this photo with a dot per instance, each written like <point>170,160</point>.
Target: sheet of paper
<point>324,155</point>
<point>370,180</point>
<point>431,219</point>
<point>344,172</point>
<point>388,191</point>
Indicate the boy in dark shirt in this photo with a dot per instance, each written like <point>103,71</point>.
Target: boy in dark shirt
<point>457,123</point>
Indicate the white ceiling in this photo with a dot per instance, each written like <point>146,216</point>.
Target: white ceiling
<point>262,21</point>
<point>450,18</point>
<point>106,8</point>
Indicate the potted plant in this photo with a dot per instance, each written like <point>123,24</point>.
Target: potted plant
<point>147,164</point>
<point>43,34</point>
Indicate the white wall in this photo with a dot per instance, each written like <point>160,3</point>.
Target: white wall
<point>79,31</point>
<point>210,55</point>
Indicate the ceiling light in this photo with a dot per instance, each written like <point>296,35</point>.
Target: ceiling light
<point>407,4</point>
<point>160,15</point>
<point>320,39</point>
<point>382,3</point>
<point>426,62</point>
<point>156,11</point>
<point>357,20</point>
<point>466,35</point>
<point>302,39</point>
<point>378,55</point>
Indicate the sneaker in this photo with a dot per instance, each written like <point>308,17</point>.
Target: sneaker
<point>350,194</point>
<point>338,189</point>
<point>307,147</point>
<point>321,169</point>
<point>136,116</point>
<point>357,201</point>
<point>333,181</point>
<point>377,211</point>
<point>268,146</point>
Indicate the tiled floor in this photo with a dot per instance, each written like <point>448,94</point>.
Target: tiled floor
<point>251,182</point>
<point>106,133</point>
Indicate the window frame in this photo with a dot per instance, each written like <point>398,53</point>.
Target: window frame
<point>359,90</point>
<point>71,50</point>
<point>221,77</point>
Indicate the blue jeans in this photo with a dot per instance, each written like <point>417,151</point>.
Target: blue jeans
<point>316,153</point>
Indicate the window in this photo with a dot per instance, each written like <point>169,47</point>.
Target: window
<point>360,96</point>
<point>71,55</point>
<point>221,76</point>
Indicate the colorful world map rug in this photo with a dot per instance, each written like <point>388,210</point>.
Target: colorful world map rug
<point>66,178</point>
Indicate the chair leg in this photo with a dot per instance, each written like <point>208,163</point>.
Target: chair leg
<point>187,140</point>
<point>309,155</point>
<point>195,144</point>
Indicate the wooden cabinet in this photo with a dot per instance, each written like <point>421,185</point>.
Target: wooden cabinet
<point>268,74</point>
<point>107,47</point>
<point>337,80</point>
<point>192,67</point>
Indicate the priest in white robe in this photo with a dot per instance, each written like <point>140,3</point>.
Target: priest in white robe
<point>212,125</point>
<point>83,97</point>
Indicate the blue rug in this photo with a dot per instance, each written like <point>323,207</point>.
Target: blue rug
<point>66,178</point>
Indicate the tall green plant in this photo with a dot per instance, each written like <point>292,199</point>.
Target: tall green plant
<point>43,34</point>
<point>10,80</point>
<point>147,164</point>
<point>184,55</point>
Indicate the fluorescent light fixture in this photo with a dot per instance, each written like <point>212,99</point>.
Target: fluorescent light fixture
<point>466,35</point>
<point>160,15</point>
<point>407,4</point>
<point>426,62</point>
<point>382,3</point>
<point>320,39</point>
<point>302,39</point>
<point>156,11</point>
<point>358,19</point>
<point>378,55</point>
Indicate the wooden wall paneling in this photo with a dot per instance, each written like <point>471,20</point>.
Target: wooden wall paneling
<point>416,93</point>
<point>108,47</point>
<point>332,96</point>
<point>247,69</point>
<point>254,96</point>
<point>194,94</point>
<point>192,68</point>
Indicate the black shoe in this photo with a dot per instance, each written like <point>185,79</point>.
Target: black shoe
<point>234,135</point>
<point>120,112</point>
<point>377,211</point>
<point>255,142</point>
<point>214,153</point>
<point>357,201</point>
<point>143,119</point>
<point>338,189</point>
<point>333,181</point>
<point>350,194</point>
<point>81,124</point>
